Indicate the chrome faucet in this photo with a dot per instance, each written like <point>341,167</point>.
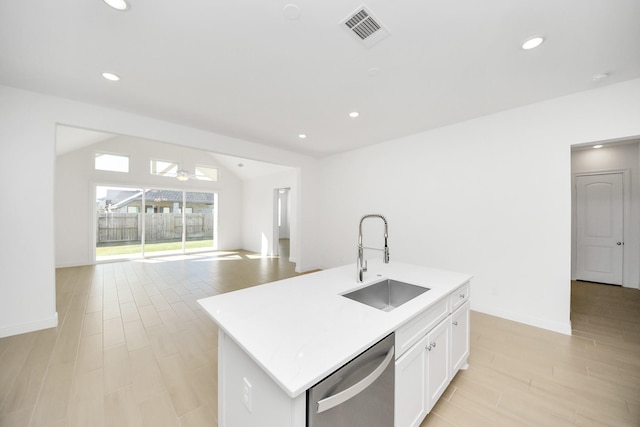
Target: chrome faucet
<point>362,264</point>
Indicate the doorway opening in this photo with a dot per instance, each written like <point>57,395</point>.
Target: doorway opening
<point>605,209</point>
<point>281,222</point>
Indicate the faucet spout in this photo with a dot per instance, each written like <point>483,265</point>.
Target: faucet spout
<point>362,263</point>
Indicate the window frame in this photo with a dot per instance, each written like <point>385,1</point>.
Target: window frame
<point>97,154</point>
<point>203,176</point>
<point>173,164</point>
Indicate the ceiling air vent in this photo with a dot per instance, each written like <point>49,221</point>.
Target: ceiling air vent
<point>365,27</point>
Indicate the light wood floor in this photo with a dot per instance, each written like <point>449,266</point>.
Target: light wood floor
<point>133,348</point>
<point>525,376</point>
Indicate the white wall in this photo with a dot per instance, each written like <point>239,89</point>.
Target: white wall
<point>489,196</point>
<point>76,179</point>
<point>27,144</point>
<point>258,212</point>
<point>27,275</point>
<point>609,158</point>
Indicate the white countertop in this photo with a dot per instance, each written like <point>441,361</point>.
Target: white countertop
<point>299,330</point>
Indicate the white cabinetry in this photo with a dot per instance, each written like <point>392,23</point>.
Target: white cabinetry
<point>459,297</point>
<point>459,338</point>
<point>415,329</point>
<point>410,388</point>
<point>438,360</point>
<point>431,348</point>
<point>306,331</point>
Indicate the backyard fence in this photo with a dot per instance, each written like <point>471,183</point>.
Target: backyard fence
<point>127,227</point>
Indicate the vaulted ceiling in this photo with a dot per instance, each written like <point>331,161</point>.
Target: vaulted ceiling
<point>268,71</point>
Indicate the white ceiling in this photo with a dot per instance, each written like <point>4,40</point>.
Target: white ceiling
<point>243,68</point>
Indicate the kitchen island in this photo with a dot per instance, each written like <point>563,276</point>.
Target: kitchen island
<point>279,339</point>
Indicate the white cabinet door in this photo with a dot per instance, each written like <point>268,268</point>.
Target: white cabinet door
<point>410,393</point>
<point>459,339</point>
<point>438,361</point>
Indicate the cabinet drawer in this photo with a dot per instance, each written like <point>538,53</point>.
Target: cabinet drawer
<point>414,330</point>
<point>460,296</point>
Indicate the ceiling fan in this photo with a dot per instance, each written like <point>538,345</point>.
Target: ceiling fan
<point>183,175</point>
<point>172,169</point>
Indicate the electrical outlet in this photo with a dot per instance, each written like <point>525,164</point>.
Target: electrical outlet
<point>246,393</point>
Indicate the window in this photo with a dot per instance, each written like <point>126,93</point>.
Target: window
<point>163,168</point>
<point>206,173</point>
<point>111,163</point>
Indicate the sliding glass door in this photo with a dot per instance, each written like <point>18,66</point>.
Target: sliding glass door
<point>134,222</point>
<point>163,222</point>
<point>199,214</point>
<point>118,222</point>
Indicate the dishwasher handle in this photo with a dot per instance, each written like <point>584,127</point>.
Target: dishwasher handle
<point>343,396</point>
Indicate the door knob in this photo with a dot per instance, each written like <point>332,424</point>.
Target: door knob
<point>618,243</point>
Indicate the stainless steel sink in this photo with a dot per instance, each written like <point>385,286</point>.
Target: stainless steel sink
<point>386,294</point>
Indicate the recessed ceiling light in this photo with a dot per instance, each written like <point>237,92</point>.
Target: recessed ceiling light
<point>111,76</point>
<point>117,4</point>
<point>291,11</point>
<point>354,114</point>
<point>597,146</point>
<point>532,42</point>
<point>302,136</point>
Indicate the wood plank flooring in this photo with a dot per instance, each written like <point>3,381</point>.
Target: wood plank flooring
<point>133,348</point>
<point>525,376</point>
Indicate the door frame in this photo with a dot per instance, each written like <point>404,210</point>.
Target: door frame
<point>626,220</point>
<point>275,243</point>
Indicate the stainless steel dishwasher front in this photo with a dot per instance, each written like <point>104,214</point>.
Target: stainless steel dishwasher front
<point>359,394</point>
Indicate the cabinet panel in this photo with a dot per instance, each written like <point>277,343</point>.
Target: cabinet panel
<point>459,338</point>
<point>410,395</point>
<point>409,333</point>
<point>269,405</point>
<point>460,296</point>
<point>438,361</point>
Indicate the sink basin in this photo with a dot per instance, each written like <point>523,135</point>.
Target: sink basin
<point>386,294</point>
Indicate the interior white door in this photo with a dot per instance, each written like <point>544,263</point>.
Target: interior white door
<point>599,216</point>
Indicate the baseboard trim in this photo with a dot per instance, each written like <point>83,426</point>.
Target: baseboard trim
<point>560,327</point>
<point>24,328</point>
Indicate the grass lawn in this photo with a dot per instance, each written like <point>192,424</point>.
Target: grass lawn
<point>152,247</point>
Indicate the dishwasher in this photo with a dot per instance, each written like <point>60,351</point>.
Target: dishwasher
<point>359,394</point>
